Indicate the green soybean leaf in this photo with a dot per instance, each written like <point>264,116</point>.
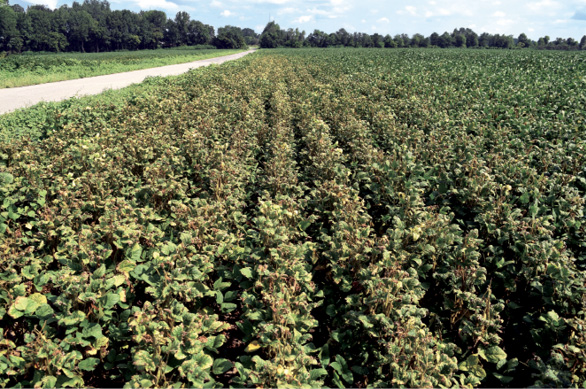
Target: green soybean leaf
<point>316,374</point>
<point>89,364</point>
<point>221,366</point>
<point>44,311</point>
<point>246,272</point>
<point>492,354</point>
<point>93,330</point>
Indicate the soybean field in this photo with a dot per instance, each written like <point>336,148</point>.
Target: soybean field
<point>306,218</point>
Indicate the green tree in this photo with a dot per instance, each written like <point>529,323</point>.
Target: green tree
<point>377,40</point>
<point>343,37</point>
<point>399,41</point>
<point>523,41</point>
<point>8,29</point>
<point>271,36</point>
<point>389,42</point>
<point>472,40</point>
<point>484,40</point>
<point>445,40</point>
<point>199,33</point>
<point>43,36</point>
<point>229,37</point>
<point>23,26</point>
<point>418,40</point>
<point>182,20</point>
<point>364,40</point>
<point>470,36</point>
<point>572,43</point>
<point>116,27</point>
<point>294,38</point>
<point>252,38</point>
<point>434,39</point>
<point>460,40</point>
<point>99,35</point>
<point>583,43</point>
<point>171,34</point>
<point>124,30</point>
<point>81,25</point>
<point>154,28</point>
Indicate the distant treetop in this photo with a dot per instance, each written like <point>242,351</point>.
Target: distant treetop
<point>273,36</point>
<point>92,26</point>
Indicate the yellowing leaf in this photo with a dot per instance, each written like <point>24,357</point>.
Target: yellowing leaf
<point>416,233</point>
<point>39,298</point>
<point>252,347</point>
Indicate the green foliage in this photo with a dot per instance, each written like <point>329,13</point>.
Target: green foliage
<point>339,218</point>
<point>229,37</point>
<point>92,26</point>
<point>272,36</point>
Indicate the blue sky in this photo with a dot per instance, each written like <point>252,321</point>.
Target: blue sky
<point>556,18</point>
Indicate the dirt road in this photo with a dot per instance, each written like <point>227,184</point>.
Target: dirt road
<point>12,99</point>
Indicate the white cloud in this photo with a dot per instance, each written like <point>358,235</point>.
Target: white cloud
<point>411,10</point>
<point>329,13</point>
<point>505,22</point>
<point>543,5</point>
<point>288,10</point>
<point>155,4</point>
<point>49,3</point>
<point>270,1</point>
<point>499,14</point>
<point>227,13</point>
<point>216,4</point>
<point>316,11</point>
<point>384,20</point>
<point>304,19</point>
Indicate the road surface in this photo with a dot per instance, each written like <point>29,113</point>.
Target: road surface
<point>12,99</point>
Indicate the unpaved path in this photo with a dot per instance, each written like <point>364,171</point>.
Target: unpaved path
<point>12,99</point>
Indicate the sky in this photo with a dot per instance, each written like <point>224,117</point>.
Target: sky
<point>556,18</point>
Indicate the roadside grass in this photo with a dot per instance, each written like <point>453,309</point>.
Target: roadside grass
<point>39,68</point>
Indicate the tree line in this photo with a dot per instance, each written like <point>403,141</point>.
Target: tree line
<point>93,26</point>
<point>273,36</point>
